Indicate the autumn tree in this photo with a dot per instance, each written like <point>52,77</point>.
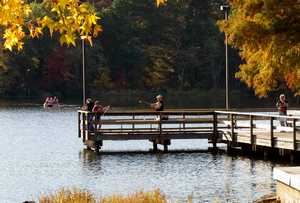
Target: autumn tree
<point>267,35</point>
<point>70,18</point>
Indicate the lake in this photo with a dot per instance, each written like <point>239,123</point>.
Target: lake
<point>40,152</point>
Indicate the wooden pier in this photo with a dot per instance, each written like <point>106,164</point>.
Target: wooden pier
<point>247,131</point>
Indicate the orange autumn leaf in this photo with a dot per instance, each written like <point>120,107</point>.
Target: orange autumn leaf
<point>160,2</point>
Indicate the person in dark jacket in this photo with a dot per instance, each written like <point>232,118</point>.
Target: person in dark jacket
<point>88,106</point>
<point>159,104</point>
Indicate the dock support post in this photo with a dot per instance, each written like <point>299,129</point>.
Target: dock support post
<point>265,153</point>
<point>97,148</point>
<point>165,147</point>
<point>292,157</point>
<point>154,146</point>
<point>229,146</point>
<point>98,145</point>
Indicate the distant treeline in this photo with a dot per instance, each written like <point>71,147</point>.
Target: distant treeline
<point>176,47</point>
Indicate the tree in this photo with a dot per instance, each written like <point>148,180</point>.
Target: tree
<point>69,18</point>
<point>267,36</point>
<point>131,29</point>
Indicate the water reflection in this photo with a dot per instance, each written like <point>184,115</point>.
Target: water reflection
<point>204,176</point>
<point>88,156</point>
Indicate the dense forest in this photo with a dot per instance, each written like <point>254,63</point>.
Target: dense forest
<point>174,48</point>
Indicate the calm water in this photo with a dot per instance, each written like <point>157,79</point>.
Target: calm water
<point>40,153</point>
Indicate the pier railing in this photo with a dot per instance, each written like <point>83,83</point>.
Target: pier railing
<point>232,128</point>
<point>262,129</point>
<point>158,127</point>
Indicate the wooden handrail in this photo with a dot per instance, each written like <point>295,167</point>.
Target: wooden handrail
<point>257,114</point>
<point>187,125</point>
<point>137,113</point>
<point>190,113</point>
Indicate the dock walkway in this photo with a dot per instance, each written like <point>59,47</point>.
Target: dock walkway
<point>236,129</point>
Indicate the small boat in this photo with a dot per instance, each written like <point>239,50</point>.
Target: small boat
<point>50,106</point>
<point>51,102</point>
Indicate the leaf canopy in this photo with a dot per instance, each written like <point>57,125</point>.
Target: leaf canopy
<point>266,32</point>
<point>70,18</point>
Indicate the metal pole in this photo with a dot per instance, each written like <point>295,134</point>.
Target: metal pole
<point>83,72</point>
<point>226,64</point>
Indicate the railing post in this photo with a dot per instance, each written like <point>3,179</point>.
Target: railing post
<point>183,125</point>
<point>272,131</point>
<point>88,125</point>
<point>79,124</point>
<point>251,129</point>
<point>84,116</point>
<point>215,129</point>
<point>133,126</point>
<point>233,137</point>
<point>294,135</point>
<point>253,146</point>
<point>160,125</point>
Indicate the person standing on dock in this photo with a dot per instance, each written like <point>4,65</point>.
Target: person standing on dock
<point>282,106</point>
<point>88,106</point>
<point>99,110</point>
<point>159,106</point>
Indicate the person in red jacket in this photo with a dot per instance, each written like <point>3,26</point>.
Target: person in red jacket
<point>99,110</point>
<point>282,106</point>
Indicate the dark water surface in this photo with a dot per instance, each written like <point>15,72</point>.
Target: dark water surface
<point>40,153</point>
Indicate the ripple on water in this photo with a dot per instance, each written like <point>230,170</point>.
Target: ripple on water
<point>40,152</point>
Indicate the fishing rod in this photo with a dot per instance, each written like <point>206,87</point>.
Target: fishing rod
<point>144,102</point>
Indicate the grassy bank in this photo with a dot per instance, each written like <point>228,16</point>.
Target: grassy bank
<point>84,196</point>
<point>155,196</point>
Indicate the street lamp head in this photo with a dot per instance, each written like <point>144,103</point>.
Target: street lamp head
<point>224,7</point>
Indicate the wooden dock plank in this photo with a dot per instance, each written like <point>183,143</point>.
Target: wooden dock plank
<point>149,136</point>
<point>282,140</point>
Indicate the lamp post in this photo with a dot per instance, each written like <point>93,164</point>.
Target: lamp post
<point>226,8</point>
<point>83,70</point>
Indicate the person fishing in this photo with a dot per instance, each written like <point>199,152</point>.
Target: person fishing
<point>159,104</point>
<point>88,106</point>
<point>282,106</point>
<point>100,111</point>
